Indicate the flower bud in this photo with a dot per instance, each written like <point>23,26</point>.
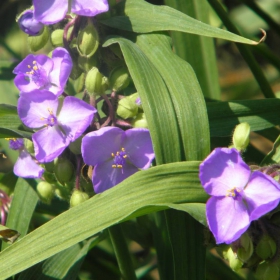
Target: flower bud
<point>63,192</point>
<point>78,197</point>
<point>57,38</point>
<point>127,108</point>
<point>86,63</point>
<point>267,271</point>
<point>88,41</point>
<point>28,24</point>
<point>246,249</point>
<point>140,121</point>
<point>63,170</point>
<point>266,247</point>
<point>234,263</point>
<point>241,135</point>
<point>75,147</point>
<point>29,146</point>
<point>37,42</point>
<point>119,78</point>
<point>45,192</point>
<point>50,177</point>
<point>94,82</point>
<point>49,166</point>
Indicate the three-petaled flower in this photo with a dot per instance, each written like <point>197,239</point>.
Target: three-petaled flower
<point>25,166</point>
<point>116,154</point>
<point>57,126</point>
<point>239,196</point>
<point>52,11</point>
<point>41,72</point>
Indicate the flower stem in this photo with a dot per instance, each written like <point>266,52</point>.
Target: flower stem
<point>122,253</point>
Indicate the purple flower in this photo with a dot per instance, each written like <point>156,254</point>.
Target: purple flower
<point>29,24</point>
<point>52,11</point>
<point>57,126</point>
<point>116,154</point>
<point>239,196</point>
<point>42,72</point>
<point>25,166</point>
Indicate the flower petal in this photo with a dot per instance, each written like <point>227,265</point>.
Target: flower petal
<point>24,83</point>
<point>105,176</point>
<point>61,70</point>
<point>98,146</point>
<point>75,116</point>
<point>227,218</point>
<point>51,11</point>
<point>34,106</point>
<point>26,167</point>
<point>49,143</point>
<point>89,8</point>
<point>138,146</point>
<point>222,170</point>
<point>262,194</point>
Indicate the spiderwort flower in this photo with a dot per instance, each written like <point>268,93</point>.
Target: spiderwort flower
<point>25,166</point>
<point>57,127</point>
<point>116,154</point>
<point>28,23</point>
<point>42,72</point>
<point>239,196</point>
<point>50,12</point>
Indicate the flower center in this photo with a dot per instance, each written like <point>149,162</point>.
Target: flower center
<point>15,143</point>
<point>51,120</point>
<point>235,193</point>
<point>37,75</point>
<point>119,158</point>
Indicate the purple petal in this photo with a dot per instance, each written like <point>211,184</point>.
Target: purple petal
<point>26,167</point>
<point>227,218</point>
<point>262,195</point>
<point>223,170</point>
<point>24,84</point>
<point>89,8</point>
<point>105,176</point>
<point>98,146</point>
<point>75,116</point>
<point>49,143</point>
<point>61,70</point>
<point>34,106</point>
<point>138,145</point>
<point>51,11</point>
<point>22,67</point>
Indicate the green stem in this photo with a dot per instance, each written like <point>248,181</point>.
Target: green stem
<point>122,253</point>
<point>244,51</point>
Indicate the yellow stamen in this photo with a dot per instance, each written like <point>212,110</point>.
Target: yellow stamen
<point>114,166</point>
<point>112,154</point>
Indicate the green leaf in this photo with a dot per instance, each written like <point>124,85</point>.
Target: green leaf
<point>199,51</point>
<point>259,114</point>
<point>274,155</point>
<point>169,183</point>
<point>140,16</point>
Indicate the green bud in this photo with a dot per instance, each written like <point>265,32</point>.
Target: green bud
<point>49,166</point>
<point>119,78</point>
<point>234,263</point>
<point>29,146</point>
<point>45,192</point>
<point>63,170</point>
<point>50,177</point>
<point>127,108</point>
<point>246,248</point>
<point>78,197</point>
<point>266,247</point>
<point>37,42</point>
<point>75,147</point>
<point>241,135</point>
<point>63,192</point>
<point>57,38</point>
<point>267,271</point>
<point>140,121</point>
<point>93,82</point>
<point>86,63</point>
<point>88,41</point>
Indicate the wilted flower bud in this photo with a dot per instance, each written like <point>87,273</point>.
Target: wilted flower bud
<point>63,170</point>
<point>45,192</point>
<point>267,271</point>
<point>37,42</point>
<point>127,108</point>
<point>94,82</point>
<point>88,41</point>
<point>78,197</point>
<point>140,121</point>
<point>241,135</point>
<point>119,78</point>
<point>266,247</point>
<point>28,24</point>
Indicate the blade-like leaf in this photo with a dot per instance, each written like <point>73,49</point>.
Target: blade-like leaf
<point>170,183</point>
